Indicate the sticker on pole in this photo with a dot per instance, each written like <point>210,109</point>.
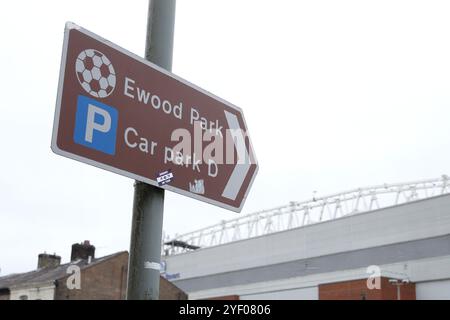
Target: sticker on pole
<point>164,178</point>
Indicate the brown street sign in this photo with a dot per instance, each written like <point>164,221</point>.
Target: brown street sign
<point>122,113</point>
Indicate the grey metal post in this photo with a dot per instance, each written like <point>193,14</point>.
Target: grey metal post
<point>148,204</point>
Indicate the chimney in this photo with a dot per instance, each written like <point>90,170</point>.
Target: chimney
<point>82,251</point>
<point>48,260</point>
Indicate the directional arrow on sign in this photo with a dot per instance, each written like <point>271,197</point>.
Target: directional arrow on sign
<point>240,170</point>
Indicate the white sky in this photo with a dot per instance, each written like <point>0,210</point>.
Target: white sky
<point>336,95</point>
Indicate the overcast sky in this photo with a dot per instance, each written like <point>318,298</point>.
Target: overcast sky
<point>336,95</point>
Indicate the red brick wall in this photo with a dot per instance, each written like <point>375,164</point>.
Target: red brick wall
<point>357,290</point>
<point>347,290</point>
<point>231,297</point>
<point>168,291</point>
<point>407,291</point>
<point>105,280</point>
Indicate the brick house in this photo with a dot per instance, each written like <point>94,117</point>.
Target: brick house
<point>83,278</point>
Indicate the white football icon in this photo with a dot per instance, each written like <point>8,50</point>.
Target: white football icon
<point>95,73</point>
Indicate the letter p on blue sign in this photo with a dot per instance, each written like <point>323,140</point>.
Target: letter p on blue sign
<point>96,125</point>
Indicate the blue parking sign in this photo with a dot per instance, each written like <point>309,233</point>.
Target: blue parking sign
<point>96,125</point>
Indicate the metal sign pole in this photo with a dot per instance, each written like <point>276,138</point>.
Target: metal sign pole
<point>148,204</point>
